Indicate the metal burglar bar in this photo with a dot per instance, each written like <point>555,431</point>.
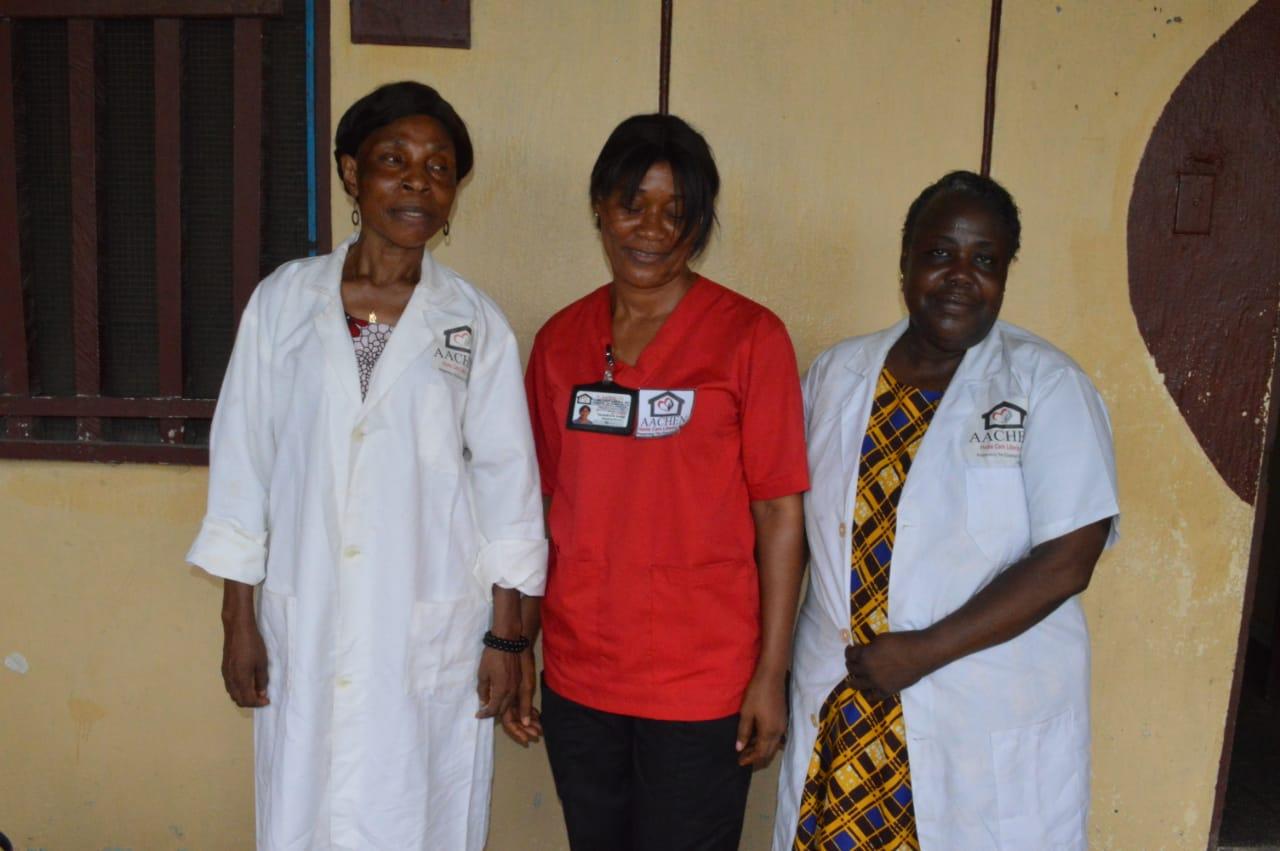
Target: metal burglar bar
<point>23,413</point>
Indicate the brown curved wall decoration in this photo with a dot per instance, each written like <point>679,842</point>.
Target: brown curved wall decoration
<point>1204,243</point>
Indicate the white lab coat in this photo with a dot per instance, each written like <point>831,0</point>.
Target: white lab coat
<point>377,529</point>
<point>998,741</point>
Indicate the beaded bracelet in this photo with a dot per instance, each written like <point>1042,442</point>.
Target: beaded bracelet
<point>506,645</point>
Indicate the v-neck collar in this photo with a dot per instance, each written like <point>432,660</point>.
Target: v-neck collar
<point>673,327</point>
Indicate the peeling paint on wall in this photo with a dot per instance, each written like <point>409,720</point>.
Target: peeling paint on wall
<point>17,663</point>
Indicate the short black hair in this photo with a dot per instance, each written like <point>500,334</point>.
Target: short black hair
<point>387,104</point>
<point>641,142</point>
<point>975,186</point>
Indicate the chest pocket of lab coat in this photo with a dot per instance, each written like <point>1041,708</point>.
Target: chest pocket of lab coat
<point>996,512</point>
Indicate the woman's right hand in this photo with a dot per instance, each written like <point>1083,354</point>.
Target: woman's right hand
<point>244,654</point>
<point>520,720</point>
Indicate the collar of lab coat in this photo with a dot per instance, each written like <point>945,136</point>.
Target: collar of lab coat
<point>434,306</point>
<point>979,365</point>
<point>983,360</point>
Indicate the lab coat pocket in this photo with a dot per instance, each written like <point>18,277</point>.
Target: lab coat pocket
<point>444,647</point>
<point>1042,787</point>
<point>996,512</point>
<point>277,622</point>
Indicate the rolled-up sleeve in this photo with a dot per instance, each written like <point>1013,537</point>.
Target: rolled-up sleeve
<point>232,542</point>
<point>503,466</point>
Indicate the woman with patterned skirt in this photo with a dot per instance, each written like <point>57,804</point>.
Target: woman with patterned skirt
<point>963,488</point>
<point>858,789</point>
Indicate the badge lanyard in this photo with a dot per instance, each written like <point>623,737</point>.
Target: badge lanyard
<point>603,407</point>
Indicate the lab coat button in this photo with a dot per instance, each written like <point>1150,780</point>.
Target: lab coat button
<point>813,719</point>
<point>343,682</point>
<point>358,434</point>
<point>843,530</point>
<point>844,636</point>
<point>351,552</point>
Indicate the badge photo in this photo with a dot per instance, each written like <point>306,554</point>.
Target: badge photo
<point>603,407</point>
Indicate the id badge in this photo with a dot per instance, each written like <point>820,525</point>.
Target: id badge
<point>602,407</point>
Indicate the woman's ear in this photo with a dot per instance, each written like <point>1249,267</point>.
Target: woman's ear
<point>350,171</point>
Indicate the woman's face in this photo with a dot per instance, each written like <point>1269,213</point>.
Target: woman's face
<point>403,179</point>
<point>641,235</point>
<point>953,272</point>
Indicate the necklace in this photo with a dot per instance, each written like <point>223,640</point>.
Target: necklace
<point>373,318</point>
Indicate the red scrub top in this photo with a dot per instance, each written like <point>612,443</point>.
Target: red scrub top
<point>652,606</point>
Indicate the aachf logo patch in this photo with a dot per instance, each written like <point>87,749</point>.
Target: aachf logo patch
<point>454,358</point>
<point>997,439</point>
<point>663,412</point>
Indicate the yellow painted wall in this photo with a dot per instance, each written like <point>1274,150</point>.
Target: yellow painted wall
<point>826,119</point>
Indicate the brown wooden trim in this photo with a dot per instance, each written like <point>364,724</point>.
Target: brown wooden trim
<point>989,103</point>
<point>13,326</point>
<point>140,8</point>
<point>168,193</point>
<point>82,86</point>
<point>246,161</point>
<point>16,376</point>
<point>442,23</point>
<point>50,450</point>
<point>664,59</point>
<point>324,133</point>
<point>105,406</point>
<point>1250,589</point>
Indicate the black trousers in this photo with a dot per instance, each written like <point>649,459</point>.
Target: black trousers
<point>635,784</point>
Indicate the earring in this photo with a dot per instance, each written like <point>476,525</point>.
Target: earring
<point>597,215</point>
<point>355,216</point>
<point>446,227</point>
<point>901,279</point>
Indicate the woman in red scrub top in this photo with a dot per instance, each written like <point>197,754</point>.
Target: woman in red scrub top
<point>675,513</point>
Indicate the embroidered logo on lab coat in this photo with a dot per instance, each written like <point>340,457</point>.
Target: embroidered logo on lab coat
<point>455,358</point>
<point>997,441</point>
<point>663,412</point>
<point>458,339</point>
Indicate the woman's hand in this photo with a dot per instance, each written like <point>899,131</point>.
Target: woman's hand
<point>497,681</point>
<point>521,720</point>
<point>762,720</point>
<point>1017,599</point>
<point>244,655</point>
<point>892,662</point>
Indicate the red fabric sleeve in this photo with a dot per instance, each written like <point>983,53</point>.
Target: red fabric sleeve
<point>773,449</point>
<point>542,416</point>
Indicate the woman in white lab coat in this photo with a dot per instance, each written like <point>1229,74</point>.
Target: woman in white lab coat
<point>371,468</point>
<point>963,487</point>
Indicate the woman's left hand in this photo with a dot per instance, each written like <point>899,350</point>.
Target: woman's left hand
<point>891,662</point>
<point>762,720</point>
<point>498,681</point>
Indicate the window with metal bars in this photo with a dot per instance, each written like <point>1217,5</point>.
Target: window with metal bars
<point>157,158</point>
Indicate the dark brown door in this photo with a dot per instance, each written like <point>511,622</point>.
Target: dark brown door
<point>1204,282</point>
